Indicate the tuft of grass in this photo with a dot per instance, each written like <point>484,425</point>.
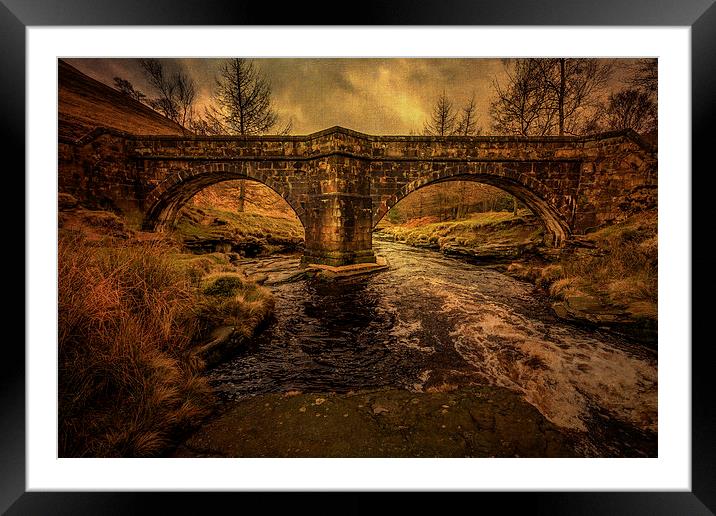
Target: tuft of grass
<point>549,274</point>
<point>127,382</point>
<point>564,287</point>
<point>224,284</point>
<point>198,266</point>
<point>230,299</point>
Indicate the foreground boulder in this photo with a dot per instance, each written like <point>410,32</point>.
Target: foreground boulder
<point>477,421</point>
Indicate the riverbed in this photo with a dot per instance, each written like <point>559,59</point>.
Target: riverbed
<point>432,323</point>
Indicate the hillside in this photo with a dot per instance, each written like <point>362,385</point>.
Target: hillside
<point>452,200</point>
<point>258,199</point>
<point>212,220</point>
<point>84,104</point>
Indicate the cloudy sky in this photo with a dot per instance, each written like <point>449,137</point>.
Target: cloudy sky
<point>374,96</point>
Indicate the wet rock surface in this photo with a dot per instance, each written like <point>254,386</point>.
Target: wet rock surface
<point>476,421</point>
<point>591,310</point>
<point>491,252</point>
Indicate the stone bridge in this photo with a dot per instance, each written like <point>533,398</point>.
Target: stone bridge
<point>341,183</point>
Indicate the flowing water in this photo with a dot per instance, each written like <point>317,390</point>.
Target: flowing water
<point>434,321</point>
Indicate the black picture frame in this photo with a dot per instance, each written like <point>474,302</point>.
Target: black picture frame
<point>700,15</point>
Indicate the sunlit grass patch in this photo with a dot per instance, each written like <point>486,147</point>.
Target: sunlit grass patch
<point>475,230</point>
<point>212,223</point>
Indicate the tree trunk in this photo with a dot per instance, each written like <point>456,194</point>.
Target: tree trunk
<point>242,195</point>
<point>562,87</point>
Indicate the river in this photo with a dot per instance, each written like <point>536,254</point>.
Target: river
<point>431,321</point>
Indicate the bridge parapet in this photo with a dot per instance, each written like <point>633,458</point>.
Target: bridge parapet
<point>339,141</point>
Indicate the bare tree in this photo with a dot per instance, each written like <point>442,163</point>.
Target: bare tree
<point>573,88</point>
<point>128,89</point>
<point>646,76</point>
<point>176,91</point>
<point>185,95</point>
<point>207,124</point>
<point>442,119</point>
<point>467,126</point>
<point>631,109</point>
<point>156,76</point>
<point>521,105</point>
<point>549,96</point>
<point>242,99</point>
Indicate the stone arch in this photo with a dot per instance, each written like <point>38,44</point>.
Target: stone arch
<point>530,191</point>
<point>167,198</point>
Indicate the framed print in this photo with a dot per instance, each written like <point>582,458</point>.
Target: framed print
<point>589,425</point>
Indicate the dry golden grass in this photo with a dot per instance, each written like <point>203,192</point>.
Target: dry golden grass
<point>563,287</point>
<point>549,274</point>
<point>126,380</point>
<point>622,270</point>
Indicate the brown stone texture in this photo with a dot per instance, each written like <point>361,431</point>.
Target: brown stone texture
<point>341,183</point>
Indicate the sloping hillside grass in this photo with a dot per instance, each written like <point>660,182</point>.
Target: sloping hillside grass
<point>85,103</point>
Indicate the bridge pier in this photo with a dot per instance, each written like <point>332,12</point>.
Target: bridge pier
<point>338,221</point>
<point>338,230</point>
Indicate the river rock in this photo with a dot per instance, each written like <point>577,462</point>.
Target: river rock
<point>225,340</point>
<point>588,308</point>
<point>488,252</point>
<point>482,421</point>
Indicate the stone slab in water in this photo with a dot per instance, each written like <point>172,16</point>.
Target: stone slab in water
<point>477,421</point>
<point>344,271</point>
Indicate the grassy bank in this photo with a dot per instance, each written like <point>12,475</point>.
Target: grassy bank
<point>247,233</point>
<point>135,316</point>
<point>488,235</point>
